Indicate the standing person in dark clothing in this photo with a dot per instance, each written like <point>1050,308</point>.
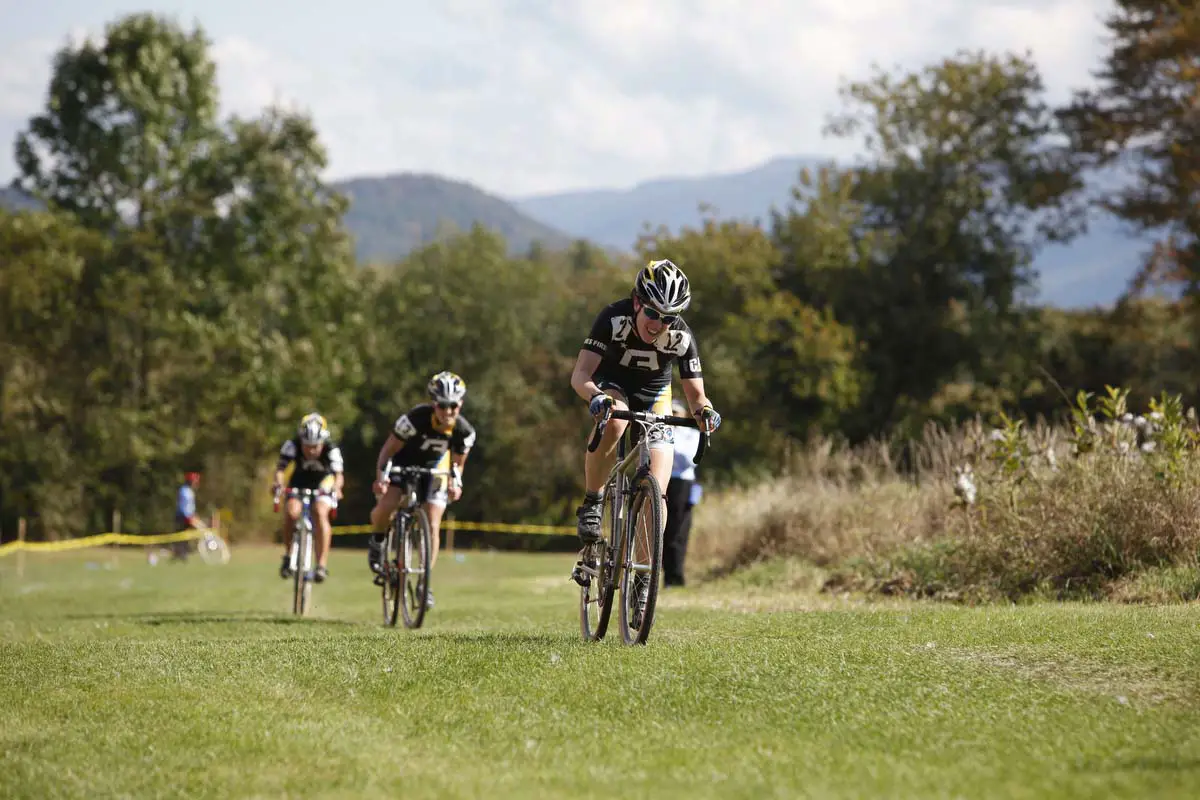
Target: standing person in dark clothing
<point>185,513</point>
<point>682,491</point>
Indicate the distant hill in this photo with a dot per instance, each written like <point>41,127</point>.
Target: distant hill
<point>1092,270</point>
<point>16,200</point>
<point>615,217</point>
<point>393,215</point>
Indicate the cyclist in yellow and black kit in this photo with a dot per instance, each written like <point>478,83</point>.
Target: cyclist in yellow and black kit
<point>625,363</point>
<point>318,465</point>
<point>433,435</point>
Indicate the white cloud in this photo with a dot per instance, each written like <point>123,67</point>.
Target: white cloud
<point>521,97</point>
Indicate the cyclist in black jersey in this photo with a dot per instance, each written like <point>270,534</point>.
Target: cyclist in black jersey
<point>318,465</point>
<point>433,435</point>
<point>625,363</point>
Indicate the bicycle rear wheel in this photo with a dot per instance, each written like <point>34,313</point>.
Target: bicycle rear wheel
<point>642,559</point>
<point>390,568</point>
<point>414,576</point>
<point>596,599</point>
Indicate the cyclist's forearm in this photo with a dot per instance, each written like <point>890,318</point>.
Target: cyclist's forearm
<point>581,376</point>
<point>693,390</point>
<point>389,449</point>
<point>279,477</point>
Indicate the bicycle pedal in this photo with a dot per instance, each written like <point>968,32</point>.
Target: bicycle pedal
<point>579,576</point>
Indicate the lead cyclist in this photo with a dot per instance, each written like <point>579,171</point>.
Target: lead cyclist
<point>625,363</point>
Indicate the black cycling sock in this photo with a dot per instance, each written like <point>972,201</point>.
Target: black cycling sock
<point>591,498</point>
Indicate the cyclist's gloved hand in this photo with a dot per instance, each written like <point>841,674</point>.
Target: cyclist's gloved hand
<point>600,405</point>
<point>708,418</point>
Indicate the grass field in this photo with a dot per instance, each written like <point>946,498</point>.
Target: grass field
<point>122,679</point>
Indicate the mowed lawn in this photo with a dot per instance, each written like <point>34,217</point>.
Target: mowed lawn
<point>122,679</point>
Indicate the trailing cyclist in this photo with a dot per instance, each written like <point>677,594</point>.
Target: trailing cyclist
<point>433,435</point>
<point>625,363</point>
<point>318,465</point>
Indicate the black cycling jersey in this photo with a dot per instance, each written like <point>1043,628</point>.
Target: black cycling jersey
<point>309,473</point>
<point>641,369</point>
<point>425,444</point>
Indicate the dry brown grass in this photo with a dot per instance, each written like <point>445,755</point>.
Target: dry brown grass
<point>1078,530</point>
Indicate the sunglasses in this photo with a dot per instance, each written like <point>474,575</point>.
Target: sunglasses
<point>651,314</point>
<point>447,406</point>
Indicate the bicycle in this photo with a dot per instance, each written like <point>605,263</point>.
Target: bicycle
<point>409,537</point>
<point>211,548</point>
<point>630,494</point>
<point>300,553</point>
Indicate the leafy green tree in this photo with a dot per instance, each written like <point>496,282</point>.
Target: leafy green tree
<point>1141,120</point>
<point>124,121</point>
<point>939,230</point>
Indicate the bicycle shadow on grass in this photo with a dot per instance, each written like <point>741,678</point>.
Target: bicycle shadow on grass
<point>499,638</point>
<point>156,618</point>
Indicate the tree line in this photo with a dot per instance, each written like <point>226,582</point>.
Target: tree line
<point>190,290</point>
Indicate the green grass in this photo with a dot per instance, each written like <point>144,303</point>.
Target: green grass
<point>132,680</point>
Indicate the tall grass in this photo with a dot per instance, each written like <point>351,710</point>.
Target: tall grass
<point>1093,509</point>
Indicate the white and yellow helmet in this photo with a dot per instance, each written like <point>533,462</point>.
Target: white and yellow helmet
<point>313,429</point>
<point>663,286</point>
<point>447,387</point>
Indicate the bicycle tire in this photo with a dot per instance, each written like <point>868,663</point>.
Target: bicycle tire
<point>645,487</point>
<point>600,590</point>
<point>390,570</point>
<point>417,546</point>
<point>213,550</point>
<point>302,594</point>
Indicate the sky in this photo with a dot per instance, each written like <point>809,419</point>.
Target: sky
<point>523,97</point>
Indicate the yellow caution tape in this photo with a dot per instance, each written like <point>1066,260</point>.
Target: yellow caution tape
<point>102,539</point>
<point>183,536</point>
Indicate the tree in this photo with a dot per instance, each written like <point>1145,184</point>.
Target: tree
<point>125,120</point>
<point>1143,122</point>
<point>228,304</point>
<point>940,229</point>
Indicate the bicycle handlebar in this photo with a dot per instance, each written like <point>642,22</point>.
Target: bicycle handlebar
<point>649,416</point>
<point>293,491</point>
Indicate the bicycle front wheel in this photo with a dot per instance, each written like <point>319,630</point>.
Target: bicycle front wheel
<point>596,599</point>
<point>302,593</point>
<point>414,575</point>
<point>390,569</point>
<point>641,559</point>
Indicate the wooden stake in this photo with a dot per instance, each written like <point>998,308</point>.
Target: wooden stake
<point>21,547</point>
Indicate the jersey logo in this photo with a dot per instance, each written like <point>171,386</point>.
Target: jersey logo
<point>622,327</point>
<point>439,445</point>
<point>596,343</point>
<point>404,428</point>
<point>693,365</point>
<point>640,359</point>
<point>312,465</point>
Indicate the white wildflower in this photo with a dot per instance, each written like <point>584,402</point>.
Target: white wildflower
<point>996,435</point>
<point>1148,447</point>
<point>1140,422</point>
<point>1127,418</point>
<point>964,485</point>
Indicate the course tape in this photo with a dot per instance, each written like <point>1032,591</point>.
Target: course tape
<point>183,536</point>
<point>102,539</point>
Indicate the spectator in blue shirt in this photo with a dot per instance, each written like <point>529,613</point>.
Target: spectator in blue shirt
<point>185,512</point>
